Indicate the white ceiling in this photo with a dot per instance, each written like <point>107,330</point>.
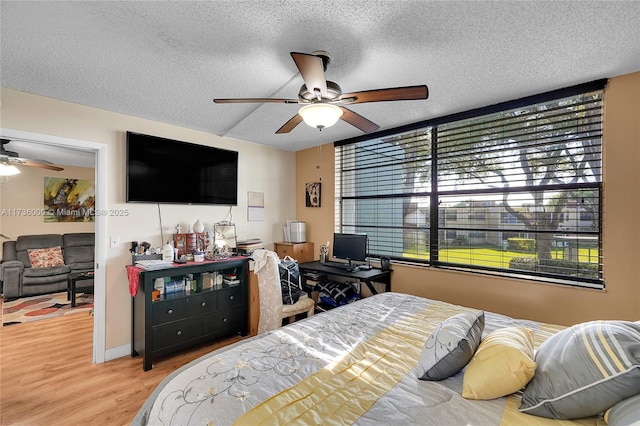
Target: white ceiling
<point>166,61</point>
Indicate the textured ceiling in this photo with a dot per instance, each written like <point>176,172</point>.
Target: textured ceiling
<point>166,61</point>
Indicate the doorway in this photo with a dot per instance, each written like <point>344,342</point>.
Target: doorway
<point>100,157</point>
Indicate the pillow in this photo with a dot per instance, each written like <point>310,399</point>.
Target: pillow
<point>450,346</point>
<point>502,365</point>
<point>624,413</point>
<point>45,257</point>
<point>584,370</point>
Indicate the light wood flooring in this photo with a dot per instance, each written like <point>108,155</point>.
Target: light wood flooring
<point>47,377</point>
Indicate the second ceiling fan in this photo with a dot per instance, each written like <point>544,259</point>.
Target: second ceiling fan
<point>12,159</point>
<point>320,96</point>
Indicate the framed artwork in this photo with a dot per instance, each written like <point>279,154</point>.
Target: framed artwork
<point>313,194</point>
<point>255,206</point>
<point>69,200</point>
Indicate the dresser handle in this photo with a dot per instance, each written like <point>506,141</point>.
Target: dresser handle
<point>224,320</point>
<point>203,304</point>
<point>231,297</point>
<point>170,311</point>
<point>179,333</point>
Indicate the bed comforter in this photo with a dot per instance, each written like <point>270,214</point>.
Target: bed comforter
<point>353,365</point>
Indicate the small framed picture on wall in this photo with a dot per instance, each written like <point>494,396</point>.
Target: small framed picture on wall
<point>313,194</point>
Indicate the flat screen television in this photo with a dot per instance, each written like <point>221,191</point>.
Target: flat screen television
<point>160,170</point>
<point>350,247</point>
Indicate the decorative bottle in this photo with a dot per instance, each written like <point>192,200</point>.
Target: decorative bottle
<point>167,252</point>
<point>198,227</point>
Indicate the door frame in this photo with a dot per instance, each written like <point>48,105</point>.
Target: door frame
<point>100,224</point>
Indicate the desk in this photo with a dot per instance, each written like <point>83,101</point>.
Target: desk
<point>368,277</point>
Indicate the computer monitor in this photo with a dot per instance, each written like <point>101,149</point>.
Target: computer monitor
<point>350,247</point>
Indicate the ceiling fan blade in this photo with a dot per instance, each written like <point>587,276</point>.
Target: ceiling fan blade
<point>358,121</point>
<point>290,125</point>
<point>41,164</point>
<point>312,70</point>
<point>254,100</point>
<point>406,93</point>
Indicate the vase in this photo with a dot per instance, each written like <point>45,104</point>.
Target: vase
<point>198,227</point>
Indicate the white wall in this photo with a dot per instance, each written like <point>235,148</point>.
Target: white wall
<point>261,169</point>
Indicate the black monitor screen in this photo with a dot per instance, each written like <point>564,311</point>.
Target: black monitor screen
<point>350,246</point>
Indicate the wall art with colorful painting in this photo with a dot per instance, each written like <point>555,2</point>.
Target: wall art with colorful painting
<point>69,200</point>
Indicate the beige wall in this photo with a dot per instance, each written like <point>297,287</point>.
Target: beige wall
<point>523,298</point>
<point>261,169</point>
<point>320,224</point>
<point>25,191</point>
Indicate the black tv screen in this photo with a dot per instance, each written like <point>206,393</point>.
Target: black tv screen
<point>163,170</point>
<point>350,246</point>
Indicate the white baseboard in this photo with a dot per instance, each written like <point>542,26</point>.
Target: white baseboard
<point>118,352</point>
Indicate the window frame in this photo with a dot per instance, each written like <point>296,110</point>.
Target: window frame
<point>434,228</point>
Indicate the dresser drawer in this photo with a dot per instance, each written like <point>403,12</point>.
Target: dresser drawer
<point>230,296</point>
<point>202,303</point>
<point>168,310</point>
<point>176,332</point>
<point>284,250</point>
<point>302,252</point>
<point>224,321</point>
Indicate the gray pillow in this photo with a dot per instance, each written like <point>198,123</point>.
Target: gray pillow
<point>624,413</point>
<point>450,346</point>
<point>585,370</point>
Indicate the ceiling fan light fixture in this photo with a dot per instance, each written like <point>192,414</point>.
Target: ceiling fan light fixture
<point>320,115</point>
<point>8,170</point>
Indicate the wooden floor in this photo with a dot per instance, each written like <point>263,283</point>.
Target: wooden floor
<point>47,377</point>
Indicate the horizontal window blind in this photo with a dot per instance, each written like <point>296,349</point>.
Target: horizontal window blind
<point>515,191</point>
<point>379,183</point>
<point>550,144</point>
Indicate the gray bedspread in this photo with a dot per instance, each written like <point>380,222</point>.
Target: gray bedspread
<point>288,372</point>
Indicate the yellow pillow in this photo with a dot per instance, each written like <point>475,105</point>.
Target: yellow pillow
<point>502,365</point>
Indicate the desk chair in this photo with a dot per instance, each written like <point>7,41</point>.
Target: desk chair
<point>272,310</point>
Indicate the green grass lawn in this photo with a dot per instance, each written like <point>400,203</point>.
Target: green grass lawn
<point>495,258</point>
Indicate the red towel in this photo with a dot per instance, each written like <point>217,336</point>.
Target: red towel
<point>134,278</point>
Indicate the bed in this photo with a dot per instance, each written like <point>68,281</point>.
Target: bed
<point>357,364</point>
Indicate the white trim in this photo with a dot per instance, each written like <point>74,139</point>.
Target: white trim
<point>100,296</point>
<point>101,151</point>
<point>118,352</point>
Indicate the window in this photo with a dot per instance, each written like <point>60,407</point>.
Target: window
<point>510,189</point>
<point>477,215</point>
<point>451,215</point>
<point>384,191</point>
<point>586,216</point>
<point>506,217</point>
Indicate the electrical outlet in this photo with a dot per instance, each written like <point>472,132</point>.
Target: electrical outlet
<point>115,241</point>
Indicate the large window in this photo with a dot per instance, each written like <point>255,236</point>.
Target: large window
<point>514,189</point>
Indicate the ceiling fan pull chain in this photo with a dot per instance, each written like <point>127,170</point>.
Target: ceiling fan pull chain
<point>319,158</point>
